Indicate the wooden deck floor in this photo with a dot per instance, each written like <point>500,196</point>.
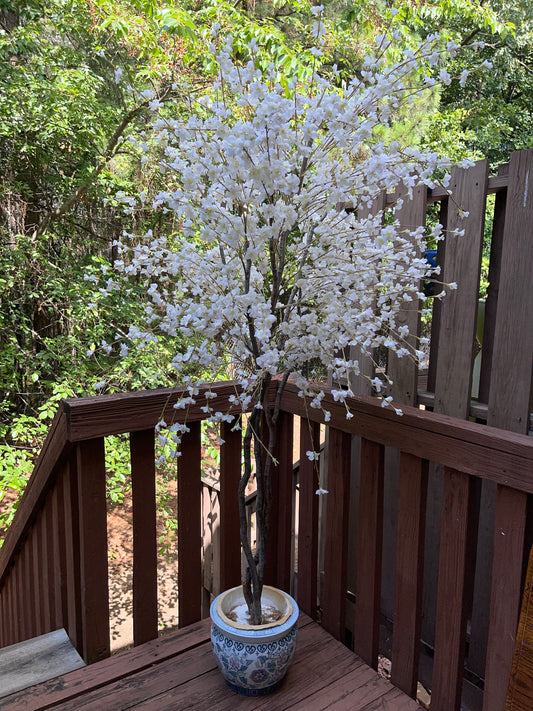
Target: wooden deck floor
<point>178,672</point>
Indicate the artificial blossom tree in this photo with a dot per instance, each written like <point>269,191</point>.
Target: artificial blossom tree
<point>278,261</point>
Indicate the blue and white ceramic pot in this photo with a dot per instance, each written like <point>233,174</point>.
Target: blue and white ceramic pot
<point>253,659</point>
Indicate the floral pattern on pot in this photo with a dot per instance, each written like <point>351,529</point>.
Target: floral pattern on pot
<point>253,668</point>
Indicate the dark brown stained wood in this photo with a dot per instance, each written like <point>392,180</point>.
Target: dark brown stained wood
<point>335,549</point>
<point>50,588</point>
<point>59,548</point>
<point>512,358</point>
<point>450,632</point>
<point>93,550</point>
<point>453,386</point>
<point>409,572</point>
<point>361,384</point>
<point>54,449</point>
<point>142,452</point>
<point>190,527</point>
<point>17,601</point>
<point>179,672</point>
<point>369,551</point>
<point>520,690</point>
<point>505,594</point>
<point>8,596</point>
<point>491,304</point>
<point>30,621</point>
<point>281,512</point>
<point>129,412</point>
<point>229,536</point>
<point>318,661</point>
<point>38,567</point>
<point>495,185</point>
<point>308,519</point>
<point>72,546</point>
<point>486,452</point>
<point>404,371</point>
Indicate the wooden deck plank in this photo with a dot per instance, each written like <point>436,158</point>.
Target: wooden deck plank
<point>318,661</point>
<point>179,671</point>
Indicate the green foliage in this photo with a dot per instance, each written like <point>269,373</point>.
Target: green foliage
<point>66,118</point>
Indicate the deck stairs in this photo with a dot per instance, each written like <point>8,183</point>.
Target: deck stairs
<point>36,660</point>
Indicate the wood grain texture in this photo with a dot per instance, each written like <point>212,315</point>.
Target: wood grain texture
<point>143,476</point>
<point>486,452</point>
<point>512,359</point>
<point>458,313</point>
<point>409,572</point>
<point>229,527</point>
<point>369,552</point>
<point>404,371</point>
<point>129,412</point>
<point>505,594</point>
<point>520,690</point>
<point>94,584</point>
<point>450,632</point>
<point>180,672</point>
<point>281,517</point>
<point>71,546</point>
<point>336,533</point>
<point>55,449</point>
<point>491,303</point>
<point>190,527</point>
<point>308,519</point>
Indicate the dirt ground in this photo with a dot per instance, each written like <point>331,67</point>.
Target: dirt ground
<point>120,553</point>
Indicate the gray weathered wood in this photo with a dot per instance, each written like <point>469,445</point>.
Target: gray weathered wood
<point>37,660</point>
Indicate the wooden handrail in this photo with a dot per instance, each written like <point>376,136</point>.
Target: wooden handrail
<point>53,568</point>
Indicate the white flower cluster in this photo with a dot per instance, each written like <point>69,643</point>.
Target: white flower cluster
<point>277,262</point>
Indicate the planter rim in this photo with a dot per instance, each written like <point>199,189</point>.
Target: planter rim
<point>220,619</point>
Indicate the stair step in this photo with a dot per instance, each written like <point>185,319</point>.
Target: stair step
<point>36,660</point>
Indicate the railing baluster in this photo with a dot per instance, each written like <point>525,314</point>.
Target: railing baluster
<point>72,558</point>
<point>144,536</point>
<point>8,592</point>
<point>369,550</point>
<point>228,526</point>
<point>509,527</point>
<point>19,603</point>
<point>38,571</point>
<point>413,483</point>
<point>93,549</point>
<point>308,519</point>
<point>279,543</point>
<point>190,527</point>
<point>60,612</point>
<point>450,628</point>
<point>49,585</point>
<point>333,601</point>
<point>30,589</point>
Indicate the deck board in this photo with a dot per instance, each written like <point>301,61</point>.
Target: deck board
<point>178,671</point>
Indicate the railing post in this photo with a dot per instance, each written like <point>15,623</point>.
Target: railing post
<point>93,550</point>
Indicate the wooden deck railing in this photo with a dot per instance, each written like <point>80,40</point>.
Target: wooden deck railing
<point>53,565</point>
